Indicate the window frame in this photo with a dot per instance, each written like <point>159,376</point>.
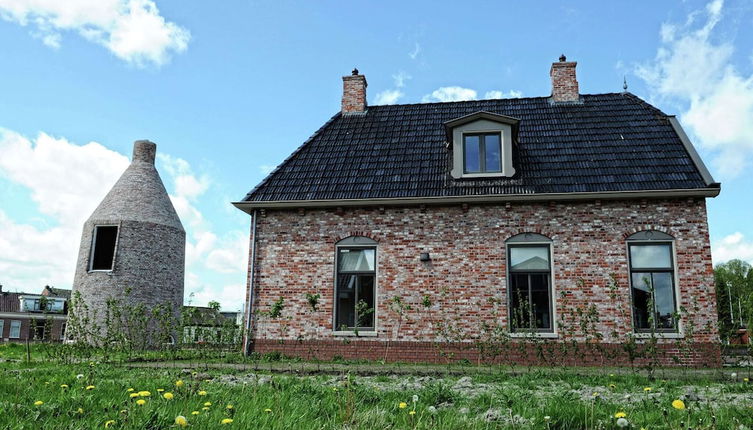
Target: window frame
<point>531,240</point>
<point>18,332</point>
<point>482,152</point>
<point>90,264</point>
<point>2,328</point>
<point>663,239</point>
<point>355,243</point>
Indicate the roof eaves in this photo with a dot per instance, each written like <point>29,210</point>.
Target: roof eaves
<point>705,174</point>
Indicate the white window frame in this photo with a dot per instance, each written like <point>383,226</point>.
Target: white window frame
<point>482,126</point>
<point>17,328</point>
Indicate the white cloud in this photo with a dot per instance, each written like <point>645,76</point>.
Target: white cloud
<point>695,67</point>
<point>414,53</point>
<point>400,78</point>
<point>496,94</point>
<point>231,297</point>
<point>450,94</point>
<point>231,256</point>
<point>133,30</point>
<point>732,247</point>
<point>388,97</point>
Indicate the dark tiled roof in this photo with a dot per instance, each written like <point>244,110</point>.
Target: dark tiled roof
<point>56,292</point>
<point>610,142</point>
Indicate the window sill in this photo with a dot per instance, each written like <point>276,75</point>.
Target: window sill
<point>483,175</point>
<point>349,333</point>
<point>659,335</point>
<point>542,335</point>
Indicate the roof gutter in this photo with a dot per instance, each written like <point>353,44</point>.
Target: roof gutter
<point>711,191</point>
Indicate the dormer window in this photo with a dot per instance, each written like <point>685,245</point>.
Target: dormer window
<point>482,145</point>
<point>483,153</point>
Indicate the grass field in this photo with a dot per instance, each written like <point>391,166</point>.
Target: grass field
<point>95,395</point>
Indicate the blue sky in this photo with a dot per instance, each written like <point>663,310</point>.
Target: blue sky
<point>227,92</point>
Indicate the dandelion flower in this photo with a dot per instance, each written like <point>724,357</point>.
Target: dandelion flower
<point>205,408</point>
<point>64,386</point>
<point>267,410</point>
<point>141,402</point>
<point>622,423</point>
<point>647,389</point>
<point>746,379</point>
<point>109,423</point>
<point>612,386</point>
<point>227,421</point>
<point>181,421</point>
<point>415,398</point>
<point>179,383</point>
<point>596,394</point>
<point>168,396</point>
<point>79,411</point>
<point>159,390</point>
<point>38,403</point>
<point>195,413</point>
<point>202,393</point>
<point>402,405</point>
<point>132,395</point>
<point>620,415</point>
<point>678,404</point>
<point>144,394</point>
<point>90,387</point>
<point>123,411</point>
<point>207,403</point>
<point>79,376</point>
<point>547,418</point>
<point>611,375</point>
<point>194,373</point>
<point>412,413</point>
<point>334,389</point>
<point>229,406</point>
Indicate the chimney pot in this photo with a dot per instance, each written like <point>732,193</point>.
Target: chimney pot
<point>564,81</point>
<point>354,93</point>
<point>144,150</point>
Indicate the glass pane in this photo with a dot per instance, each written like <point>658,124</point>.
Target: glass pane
<point>650,256</point>
<point>540,300</point>
<point>472,154</point>
<point>346,301</point>
<point>519,301</point>
<point>365,306</point>
<point>492,153</point>
<point>641,297</point>
<point>529,258</point>
<point>665,300</point>
<point>356,260</point>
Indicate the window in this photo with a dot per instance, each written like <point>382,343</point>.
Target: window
<point>652,277</point>
<point>103,247</point>
<point>2,328</point>
<point>355,286</point>
<point>15,329</point>
<point>530,283</point>
<point>38,330</point>
<point>482,153</point>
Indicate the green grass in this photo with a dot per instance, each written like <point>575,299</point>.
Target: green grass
<point>488,401</point>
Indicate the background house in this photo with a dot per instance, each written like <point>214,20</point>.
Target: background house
<point>34,316</point>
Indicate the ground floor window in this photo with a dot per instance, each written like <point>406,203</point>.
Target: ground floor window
<point>355,284</point>
<point>530,283</point>
<point>2,328</point>
<point>652,279</point>
<point>15,329</point>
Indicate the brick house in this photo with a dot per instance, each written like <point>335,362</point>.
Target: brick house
<point>570,228</point>
<point>33,316</point>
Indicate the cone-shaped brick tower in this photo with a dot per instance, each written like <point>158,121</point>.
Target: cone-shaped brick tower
<point>133,245</point>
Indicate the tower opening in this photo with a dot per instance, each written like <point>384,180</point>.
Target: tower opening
<point>103,254</point>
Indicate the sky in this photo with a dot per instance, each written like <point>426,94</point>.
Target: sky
<point>229,89</point>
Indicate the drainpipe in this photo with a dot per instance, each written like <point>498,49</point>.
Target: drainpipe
<point>251,269</point>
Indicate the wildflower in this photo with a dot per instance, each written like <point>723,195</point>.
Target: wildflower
<point>202,393</point>
<point>91,364</point>
<point>79,376</point>
<point>130,390</point>
<point>402,405</point>
<point>168,396</point>
<point>159,390</point>
<point>267,410</point>
<point>90,387</point>
<point>620,415</point>
<point>678,404</point>
<point>144,394</point>
<point>229,407</point>
<point>746,379</point>
<point>205,408</point>
<point>79,411</point>
<point>611,375</point>
<point>612,386</point>
<point>596,394</point>
<point>179,383</point>
<point>412,413</point>
<point>622,423</point>
<point>432,410</point>
<point>195,413</point>
<point>109,423</point>
<point>194,373</point>
<point>64,386</point>
<point>733,375</point>
<point>141,402</point>
<point>415,398</point>
<point>181,421</point>
<point>123,411</point>
<point>227,421</point>
<point>647,389</point>
<point>334,389</point>
<point>38,403</point>
<point>547,418</point>
<point>132,395</point>
<point>208,404</point>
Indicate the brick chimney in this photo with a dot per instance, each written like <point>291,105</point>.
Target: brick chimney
<point>354,93</point>
<point>564,83</point>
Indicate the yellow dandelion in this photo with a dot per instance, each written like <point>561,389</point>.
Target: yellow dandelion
<point>412,413</point>
<point>144,394</point>
<point>181,421</point>
<point>132,395</point>
<point>647,389</point>
<point>159,390</point>
<point>202,393</point>
<point>207,403</point>
<point>194,373</point>
<point>611,375</point>
<point>109,423</point>
<point>168,396</point>
<point>334,389</point>
<point>612,386</point>
<point>746,379</point>
<point>179,383</point>
<point>227,421</point>
<point>64,386</point>
<point>229,406</point>
<point>205,408</point>
<point>79,411</point>
<point>596,394</point>
<point>90,387</point>
<point>129,390</point>
<point>195,413</point>
<point>38,403</point>
<point>620,415</point>
<point>267,410</point>
<point>402,405</point>
<point>141,402</point>
<point>678,404</point>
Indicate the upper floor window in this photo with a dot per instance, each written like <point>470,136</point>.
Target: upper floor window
<point>103,247</point>
<point>355,284</point>
<point>483,153</point>
<point>530,283</point>
<point>652,281</point>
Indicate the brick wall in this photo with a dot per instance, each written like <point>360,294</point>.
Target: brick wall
<point>465,279</point>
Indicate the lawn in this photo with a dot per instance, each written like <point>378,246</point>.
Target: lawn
<point>92,395</point>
